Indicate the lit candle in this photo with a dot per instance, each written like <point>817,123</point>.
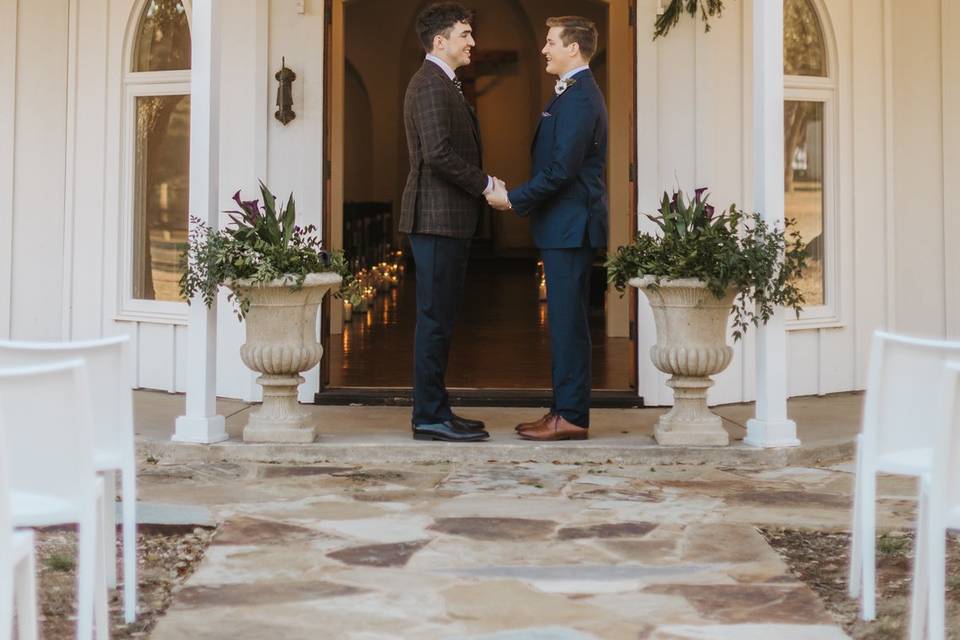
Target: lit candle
<point>347,310</point>
<point>543,290</point>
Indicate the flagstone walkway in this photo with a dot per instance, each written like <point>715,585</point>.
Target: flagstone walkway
<point>503,551</point>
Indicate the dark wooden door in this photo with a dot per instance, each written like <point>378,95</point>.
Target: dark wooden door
<point>635,379</point>
<point>325,309</point>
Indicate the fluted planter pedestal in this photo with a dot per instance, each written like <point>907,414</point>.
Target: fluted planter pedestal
<point>691,346</point>
<point>282,343</point>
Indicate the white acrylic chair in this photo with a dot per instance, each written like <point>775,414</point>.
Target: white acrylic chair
<point>939,511</point>
<point>900,414</point>
<point>47,421</point>
<point>113,436</point>
<point>17,567</point>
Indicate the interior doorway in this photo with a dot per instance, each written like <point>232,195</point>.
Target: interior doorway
<point>500,340</point>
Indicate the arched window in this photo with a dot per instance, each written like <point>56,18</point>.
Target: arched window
<point>157,154</point>
<point>809,98</point>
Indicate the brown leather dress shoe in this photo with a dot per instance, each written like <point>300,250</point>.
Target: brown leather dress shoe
<point>536,424</point>
<point>555,429</point>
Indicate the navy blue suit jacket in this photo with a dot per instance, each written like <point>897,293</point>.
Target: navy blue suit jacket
<point>566,197</point>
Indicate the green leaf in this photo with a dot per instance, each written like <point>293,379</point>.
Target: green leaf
<point>289,217</point>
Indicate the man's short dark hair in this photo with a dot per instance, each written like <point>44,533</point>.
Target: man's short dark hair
<point>439,19</point>
<point>579,30</point>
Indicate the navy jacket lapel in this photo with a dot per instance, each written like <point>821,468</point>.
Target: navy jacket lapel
<point>543,117</point>
<point>583,75</point>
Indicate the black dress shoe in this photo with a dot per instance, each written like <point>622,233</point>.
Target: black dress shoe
<point>448,431</point>
<point>467,423</point>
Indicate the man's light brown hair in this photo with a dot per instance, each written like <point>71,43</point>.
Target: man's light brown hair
<point>579,30</point>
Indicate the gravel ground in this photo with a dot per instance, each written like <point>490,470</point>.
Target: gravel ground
<point>164,560</point>
<point>821,559</point>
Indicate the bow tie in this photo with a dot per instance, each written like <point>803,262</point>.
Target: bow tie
<point>563,85</point>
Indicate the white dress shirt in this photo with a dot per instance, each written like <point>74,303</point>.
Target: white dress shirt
<point>443,65</point>
<point>573,72</point>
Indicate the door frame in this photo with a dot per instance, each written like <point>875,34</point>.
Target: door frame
<point>334,53</point>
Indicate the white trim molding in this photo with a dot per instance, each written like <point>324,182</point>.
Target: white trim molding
<point>950,86</point>
<point>9,23</point>
<point>889,213</point>
<point>70,170</point>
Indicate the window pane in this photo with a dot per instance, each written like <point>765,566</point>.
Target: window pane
<point>804,48</point>
<point>803,187</point>
<point>163,37</point>
<point>161,195</point>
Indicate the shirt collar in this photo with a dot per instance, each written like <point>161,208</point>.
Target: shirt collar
<point>443,65</point>
<point>573,72</point>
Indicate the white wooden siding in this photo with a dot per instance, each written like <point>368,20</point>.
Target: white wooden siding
<point>896,125</point>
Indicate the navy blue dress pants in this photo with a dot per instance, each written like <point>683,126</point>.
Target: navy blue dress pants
<point>568,308</point>
<point>441,265</point>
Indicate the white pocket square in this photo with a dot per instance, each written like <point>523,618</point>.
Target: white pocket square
<point>546,115</point>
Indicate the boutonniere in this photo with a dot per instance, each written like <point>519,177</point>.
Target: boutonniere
<point>563,85</point>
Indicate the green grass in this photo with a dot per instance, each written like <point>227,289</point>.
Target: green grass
<point>890,545</point>
<point>57,562</point>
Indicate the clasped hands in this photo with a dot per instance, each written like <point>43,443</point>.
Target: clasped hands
<point>497,197</point>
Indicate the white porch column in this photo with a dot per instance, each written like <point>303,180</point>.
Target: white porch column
<point>770,427</point>
<point>201,422</point>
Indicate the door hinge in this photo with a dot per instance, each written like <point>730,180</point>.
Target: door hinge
<point>633,330</point>
<point>633,15</point>
<point>633,172</point>
<point>326,170</point>
<point>328,12</point>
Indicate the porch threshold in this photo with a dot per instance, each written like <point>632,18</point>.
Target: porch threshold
<point>473,397</point>
<point>355,435</point>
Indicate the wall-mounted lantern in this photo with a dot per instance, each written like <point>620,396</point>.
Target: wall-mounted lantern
<point>285,77</point>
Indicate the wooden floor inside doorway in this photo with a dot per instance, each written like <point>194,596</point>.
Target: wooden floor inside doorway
<point>500,339</point>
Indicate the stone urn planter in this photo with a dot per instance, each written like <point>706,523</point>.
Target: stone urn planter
<point>282,343</point>
<point>691,346</point>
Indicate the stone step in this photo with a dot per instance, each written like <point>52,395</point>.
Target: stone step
<point>394,449</point>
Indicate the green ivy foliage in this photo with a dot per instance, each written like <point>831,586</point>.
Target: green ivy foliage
<point>729,249</point>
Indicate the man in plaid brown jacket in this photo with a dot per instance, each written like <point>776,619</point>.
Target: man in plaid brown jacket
<point>440,210</point>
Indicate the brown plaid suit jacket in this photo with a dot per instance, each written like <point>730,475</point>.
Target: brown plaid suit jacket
<point>445,184</point>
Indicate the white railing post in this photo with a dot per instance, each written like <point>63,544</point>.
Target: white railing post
<point>770,427</point>
<point>201,422</point>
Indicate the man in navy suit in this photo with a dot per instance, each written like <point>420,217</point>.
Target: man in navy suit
<point>567,205</point>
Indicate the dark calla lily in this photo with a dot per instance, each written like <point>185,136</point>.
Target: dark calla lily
<point>249,209</point>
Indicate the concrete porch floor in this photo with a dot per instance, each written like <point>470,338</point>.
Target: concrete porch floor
<point>826,427</point>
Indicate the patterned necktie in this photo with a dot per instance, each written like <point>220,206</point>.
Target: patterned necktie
<point>458,85</point>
